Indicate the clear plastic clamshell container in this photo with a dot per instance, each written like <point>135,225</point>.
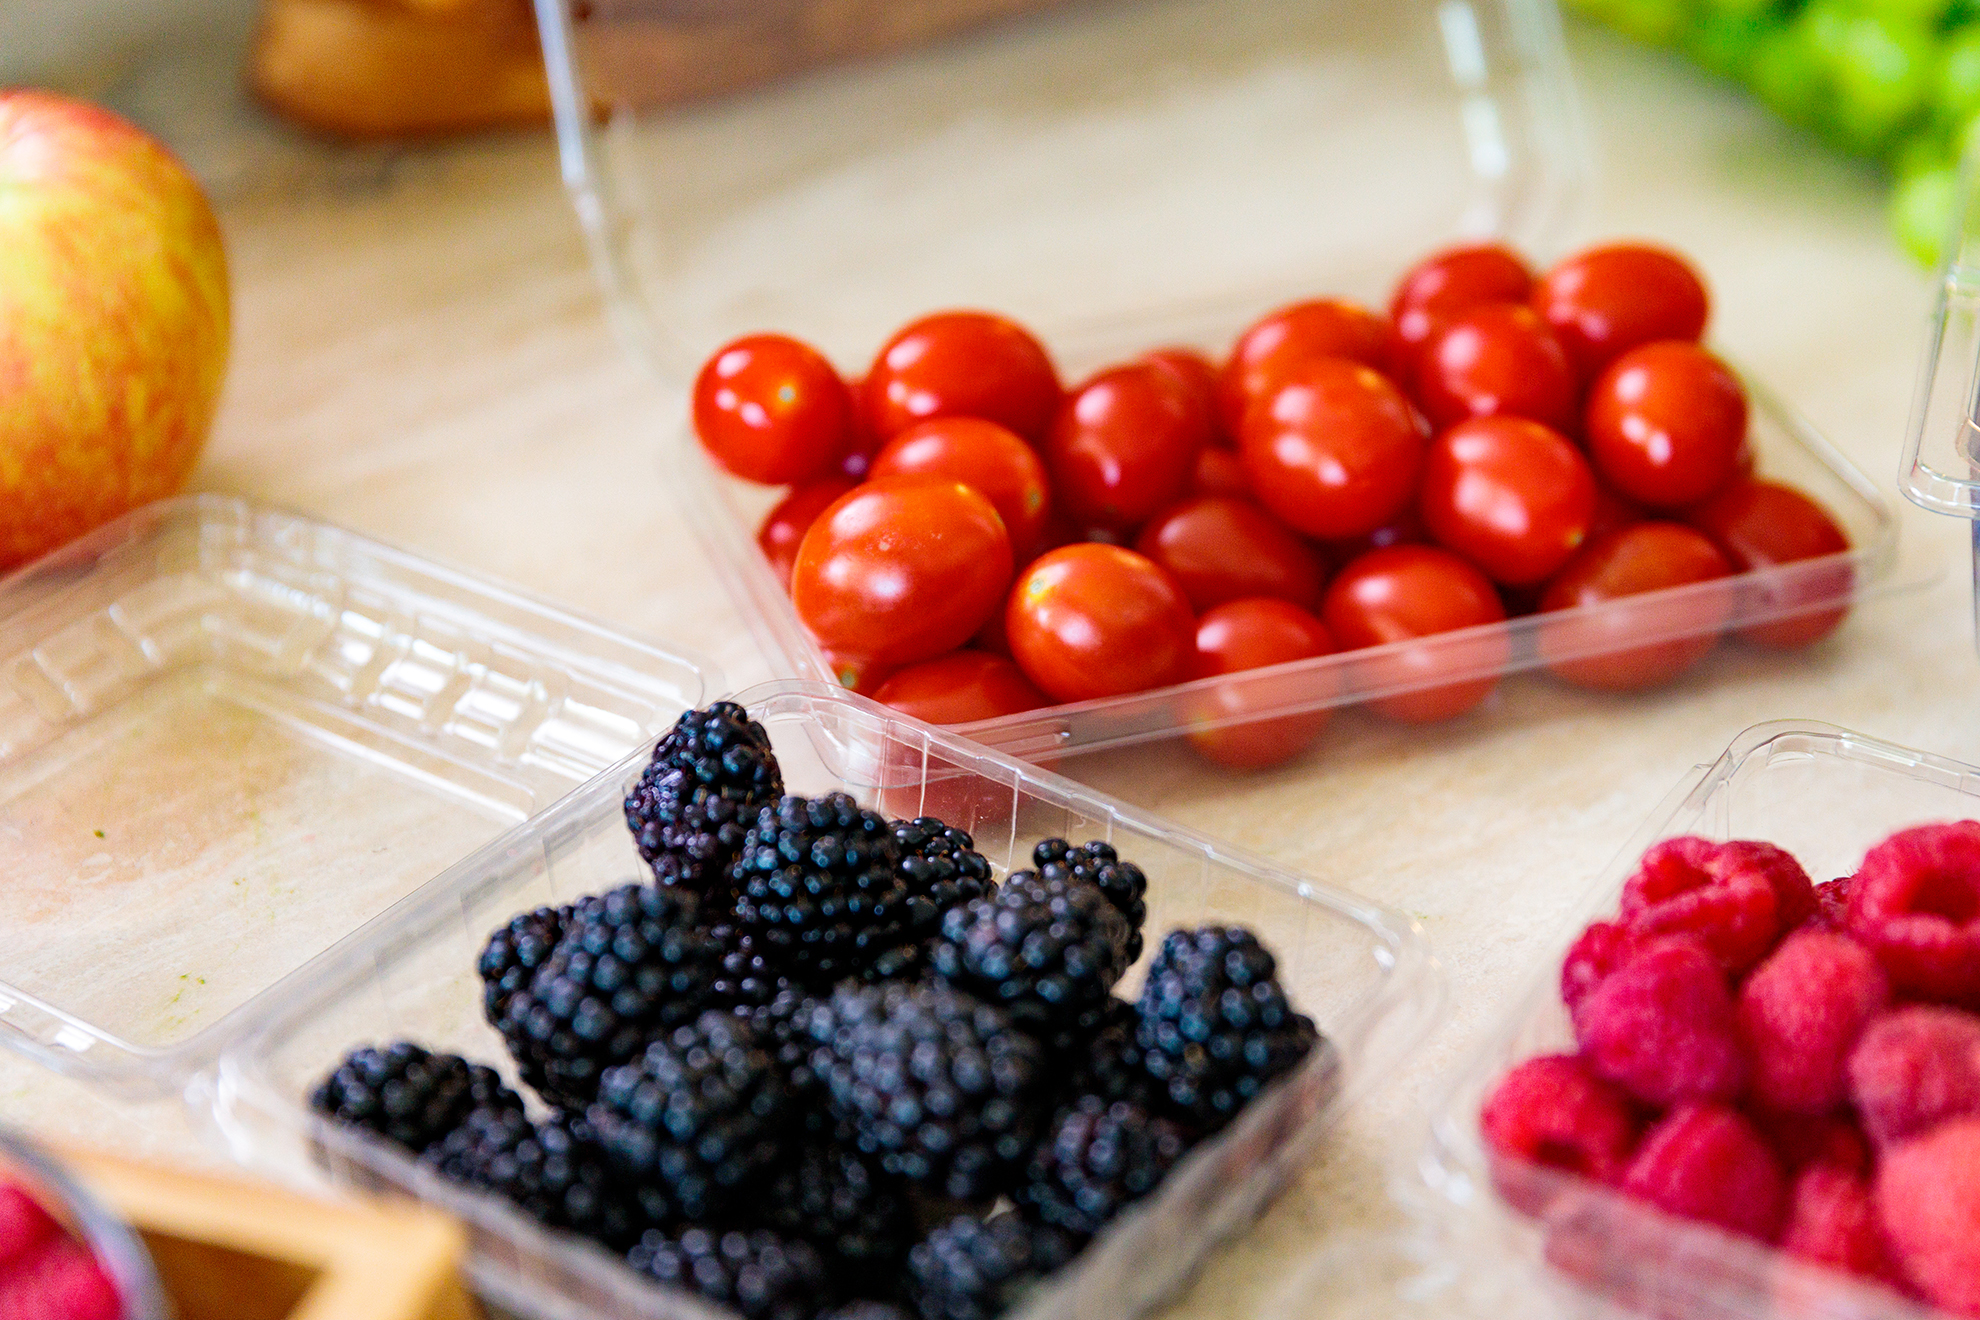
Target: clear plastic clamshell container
<point>1824,794</point>
<point>1361,971</point>
<point>1116,176</point>
<point>231,736</point>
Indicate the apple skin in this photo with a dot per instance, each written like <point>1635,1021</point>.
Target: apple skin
<point>113,320</point>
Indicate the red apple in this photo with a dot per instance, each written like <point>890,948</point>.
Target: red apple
<point>113,320</point>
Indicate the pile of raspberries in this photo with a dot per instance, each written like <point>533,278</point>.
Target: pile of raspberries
<point>1790,1062</point>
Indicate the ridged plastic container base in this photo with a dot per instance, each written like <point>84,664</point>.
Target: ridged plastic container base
<point>1361,971</point>
<point>1824,794</point>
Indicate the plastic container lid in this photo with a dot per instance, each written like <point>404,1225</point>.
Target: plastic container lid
<point>1941,466</point>
<point>1362,971</point>
<point>229,737</point>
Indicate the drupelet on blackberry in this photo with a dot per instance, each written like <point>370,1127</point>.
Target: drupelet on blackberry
<point>1097,1158</point>
<point>693,803</point>
<point>628,966</point>
<point>513,953</point>
<point>552,1169</point>
<point>976,1269</point>
<point>941,869</point>
<point>1122,882</point>
<point>1215,1024</point>
<point>744,978</point>
<point>816,888</point>
<point>857,1215</point>
<point>408,1094</point>
<point>1108,1063</point>
<point>1048,952</point>
<point>758,1274</point>
<point>698,1116</point>
<point>940,1087</point>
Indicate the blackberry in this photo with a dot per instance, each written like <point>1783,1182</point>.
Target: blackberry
<point>1097,1158</point>
<point>408,1095</point>
<point>693,803</point>
<point>1215,1024</point>
<point>854,1213</point>
<point>760,1275</point>
<point>1108,1063</point>
<point>816,888</point>
<point>513,953</point>
<point>743,977</point>
<point>699,1114</point>
<point>865,1310</point>
<point>629,965</point>
<point>941,869</point>
<point>552,1169</point>
<point>976,1269</point>
<point>1122,882</point>
<point>1045,951</point>
<point>938,1086</point>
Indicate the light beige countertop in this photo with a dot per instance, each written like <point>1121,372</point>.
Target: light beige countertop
<point>422,356</point>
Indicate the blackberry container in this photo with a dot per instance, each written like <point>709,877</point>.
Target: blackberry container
<point>1361,971</point>
<point>1826,795</point>
<point>1114,175</point>
<point>231,736</point>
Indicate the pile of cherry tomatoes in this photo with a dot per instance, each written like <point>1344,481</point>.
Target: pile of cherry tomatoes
<point>966,538</point>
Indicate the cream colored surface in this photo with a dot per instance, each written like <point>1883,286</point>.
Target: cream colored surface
<point>425,360</point>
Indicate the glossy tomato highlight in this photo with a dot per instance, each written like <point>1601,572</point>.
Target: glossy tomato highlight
<point>1665,423</point>
<point>1610,299</point>
<point>1252,634</point>
<point>1287,339</point>
<point>1495,360</point>
<point>990,459</point>
<point>1094,620</point>
<point>1455,280</point>
<point>1124,446</point>
<point>1220,549</point>
<point>1336,452</point>
<point>1510,495</point>
<point>1412,593</point>
<point>961,364</point>
<point>1647,557</point>
<point>770,409</point>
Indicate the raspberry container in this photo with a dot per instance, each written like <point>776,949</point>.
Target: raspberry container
<point>1115,176</point>
<point>230,736</point>
<point>1360,970</point>
<point>1824,794</point>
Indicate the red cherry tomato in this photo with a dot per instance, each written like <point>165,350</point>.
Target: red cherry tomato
<point>1219,472</point>
<point>1763,524</point>
<point>1607,300</point>
<point>961,364</point>
<point>768,408</point>
<point>1220,549</point>
<point>1202,376</point>
<point>1094,620</point>
<point>1509,495</point>
<point>984,456</point>
<point>1411,592</point>
<point>1124,446</point>
<point>1665,423</point>
<point>1452,281</point>
<point>1336,451</point>
<point>856,673</point>
<point>960,688</point>
<point>901,570</point>
<point>1286,339</point>
<point>1638,561</point>
<point>784,526</point>
<point>1251,634</point>
<point>1495,360</point>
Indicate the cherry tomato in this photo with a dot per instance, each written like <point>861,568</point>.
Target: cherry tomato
<point>1336,451</point>
<point>856,673</point>
<point>1762,524</point>
<point>1124,445</point>
<point>1220,549</point>
<point>861,444</point>
<point>961,364</point>
<point>768,408</point>
<point>1665,423</point>
<point>1608,300</point>
<point>1638,561</point>
<point>1202,376</point>
<point>987,458</point>
<point>901,570</point>
<point>1273,347</point>
<point>1411,592</point>
<point>1094,620</point>
<point>1509,495</point>
<point>1251,634</point>
<point>1612,514</point>
<point>784,526</point>
<point>1406,528</point>
<point>960,688</point>
<point>1452,281</point>
<point>1495,360</point>
<point>1219,472</point>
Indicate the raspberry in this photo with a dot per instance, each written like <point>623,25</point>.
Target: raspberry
<point>1913,1069</point>
<point>1602,948</point>
<point>1806,1140</point>
<point>1915,903</point>
<point>1831,905</point>
<point>1928,1195</point>
<point>1705,1162</point>
<point>1552,1111</point>
<point>1832,1220</point>
<point>1662,1027</point>
<point>1800,1011</point>
<point>24,1224</point>
<point>1737,896</point>
<point>61,1280</point>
